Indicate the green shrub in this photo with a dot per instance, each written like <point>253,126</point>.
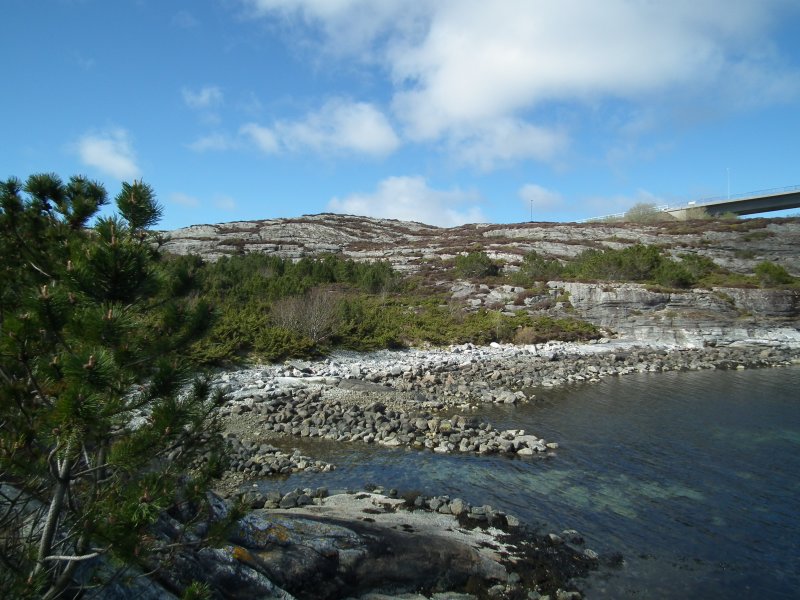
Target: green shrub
<point>543,329</point>
<point>634,263</point>
<point>673,275</point>
<point>771,275</point>
<point>698,266</point>
<point>755,236</point>
<point>232,336</point>
<point>536,267</point>
<point>277,343</point>
<point>475,265</point>
<point>367,323</point>
<point>645,213</point>
<point>640,263</point>
<point>255,296</point>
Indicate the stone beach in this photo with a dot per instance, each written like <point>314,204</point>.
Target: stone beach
<point>425,399</point>
<point>421,400</point>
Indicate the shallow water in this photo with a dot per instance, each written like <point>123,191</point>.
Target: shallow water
<point>693,477</point>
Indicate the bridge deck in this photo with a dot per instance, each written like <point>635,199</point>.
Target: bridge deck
<point>749,203</point>
<point>746,204</point>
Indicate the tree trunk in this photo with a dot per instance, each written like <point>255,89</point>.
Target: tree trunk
<point>53,514</point>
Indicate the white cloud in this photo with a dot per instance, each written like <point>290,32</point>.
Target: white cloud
<point>263,137</point>
<point>184,199</point>
<point>110,152</point>
<point>312,9</point>
<point>461,66</point>
<point>411,199</point>
<point>204,98</point>
<point>480,60</point>
<point>348,26</point>
<point>339,126</point>
<point>496,142</point>
<point>225,203</point>
<point>250,104</point>
<point>214,141</point>
<point>540,199</point>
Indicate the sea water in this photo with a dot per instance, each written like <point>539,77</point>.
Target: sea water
<point>694,477</point>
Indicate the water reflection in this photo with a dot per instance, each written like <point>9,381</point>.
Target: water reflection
<point>692,476</point>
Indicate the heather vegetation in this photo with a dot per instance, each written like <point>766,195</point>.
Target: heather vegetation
<point>273,308</point>
<point>475,265</point>
<point>647,264</point>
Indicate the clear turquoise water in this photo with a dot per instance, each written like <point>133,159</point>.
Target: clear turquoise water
<point>693,477</point>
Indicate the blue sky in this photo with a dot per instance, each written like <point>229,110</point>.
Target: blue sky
<point>441,111</point>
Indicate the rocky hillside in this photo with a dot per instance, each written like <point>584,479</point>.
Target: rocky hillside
<point>689,317</point>
<point>736,245</point>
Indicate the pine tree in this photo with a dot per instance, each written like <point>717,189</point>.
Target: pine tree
<point>101,428</point>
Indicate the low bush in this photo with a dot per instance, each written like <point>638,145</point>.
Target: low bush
<point>367,323</point>
<point>634,263</point>
<point>536,267</point>
<point>272,308</point>
<point>673,275</point>
<point>543,329</point>
<point>770,275</point>
<point>475,265</point>
<point>645,213</point>
<point>698,266</point>
<point>640,263</point>
<point>278,343</point>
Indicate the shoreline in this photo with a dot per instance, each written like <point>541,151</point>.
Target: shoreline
<point>428,399</point>
<point>415,399</point>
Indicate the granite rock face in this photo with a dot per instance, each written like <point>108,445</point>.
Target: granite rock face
<point>691,317</point>
<point>738,245</point>
<point>694,317</point>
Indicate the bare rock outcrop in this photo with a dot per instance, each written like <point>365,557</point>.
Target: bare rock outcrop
<point>695,317</point>
<point>738,245</point>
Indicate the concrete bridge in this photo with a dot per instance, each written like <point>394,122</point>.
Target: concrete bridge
<point>750,203</point>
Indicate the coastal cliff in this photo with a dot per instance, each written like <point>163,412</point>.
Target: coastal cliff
<point>688,318</point>
<point>695,317</point>
<point>411,246</point>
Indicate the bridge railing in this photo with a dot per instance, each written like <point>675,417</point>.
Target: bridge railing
<point>704,202</point>
<point>660,208</point>
<point>741,196</point>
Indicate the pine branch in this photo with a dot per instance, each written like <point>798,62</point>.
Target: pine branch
<point>54,513</point>
<point>72,563</point>
<point>91,470</point>
<point>73,558</point>
<point>20,406</point>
